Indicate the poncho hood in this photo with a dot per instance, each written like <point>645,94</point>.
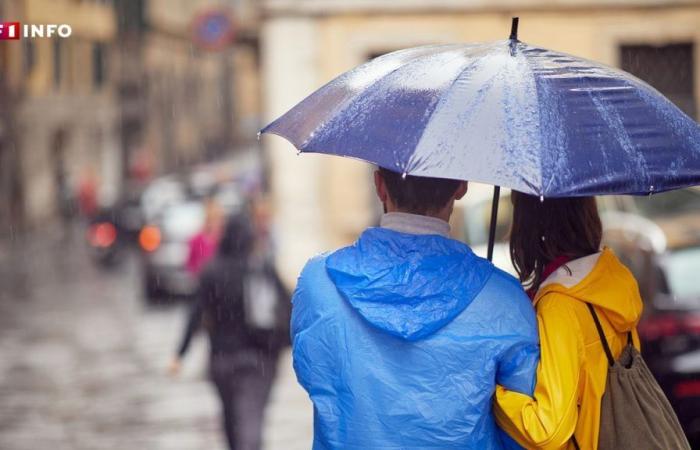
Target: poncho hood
<point>407,285</point>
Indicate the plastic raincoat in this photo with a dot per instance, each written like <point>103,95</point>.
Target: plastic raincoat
<point>572,373</point>
<point>400,340</point>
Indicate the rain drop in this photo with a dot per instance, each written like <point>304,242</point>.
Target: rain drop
<point>258,135</point>
<point>541,198</point>
<point>403,176</point>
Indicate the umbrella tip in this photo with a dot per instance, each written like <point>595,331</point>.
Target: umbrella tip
<point>514,29</point>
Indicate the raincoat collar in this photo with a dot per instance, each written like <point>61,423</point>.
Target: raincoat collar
<point>571,273</point>
<point>601,280</point>
<point>414,224</point>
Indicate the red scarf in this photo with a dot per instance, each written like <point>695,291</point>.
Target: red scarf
<point>548,270</point>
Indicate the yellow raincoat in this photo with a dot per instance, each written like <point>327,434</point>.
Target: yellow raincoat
<point>572,372</point>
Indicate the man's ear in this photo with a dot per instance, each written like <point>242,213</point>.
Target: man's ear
<point>380,187</point>
<point>461,190</point>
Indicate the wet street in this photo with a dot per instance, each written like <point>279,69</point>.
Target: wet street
<point>83,361</point>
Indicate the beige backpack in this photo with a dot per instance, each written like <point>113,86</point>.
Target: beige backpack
<point>634,412</point>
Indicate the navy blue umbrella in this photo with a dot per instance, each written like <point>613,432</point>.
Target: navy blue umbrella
<point>504,113</point>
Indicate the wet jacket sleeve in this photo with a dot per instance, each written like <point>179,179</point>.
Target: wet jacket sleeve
<point>314,339</point>
<point>517,363</point>
<point>312,346</point>
<point>548,420</point>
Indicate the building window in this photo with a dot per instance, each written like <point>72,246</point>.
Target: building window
<point>668,68</point>
<point>57,60</point>
<point>29,56</point>
<point>131,15</point>
<point>98,65</point>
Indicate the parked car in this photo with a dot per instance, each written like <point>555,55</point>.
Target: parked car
<point>165,245</point>
<point>106,237</point>
<point>670,332</point>
<point>160,194</point>
<point>660,242</point>
<point>173,221</point>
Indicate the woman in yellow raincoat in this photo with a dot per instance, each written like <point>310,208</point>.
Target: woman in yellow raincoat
<point>555,248</point>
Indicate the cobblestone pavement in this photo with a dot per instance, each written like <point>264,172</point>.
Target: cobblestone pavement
<point>83,357</point>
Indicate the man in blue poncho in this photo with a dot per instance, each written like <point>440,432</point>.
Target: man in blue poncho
<point>400,338</point>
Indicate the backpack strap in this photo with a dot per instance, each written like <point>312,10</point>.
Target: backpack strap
<point>603,341</point>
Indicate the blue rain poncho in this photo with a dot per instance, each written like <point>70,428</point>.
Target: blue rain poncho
<point>400,340</point>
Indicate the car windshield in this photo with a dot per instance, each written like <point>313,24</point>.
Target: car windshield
<point>161,194</point>
<point>682,269</point>
<point>181,222</point>
<point>669,203</point>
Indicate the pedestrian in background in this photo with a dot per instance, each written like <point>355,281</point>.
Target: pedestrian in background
<point>66,204</point>
<point>202,246</point>
<point>245,309</point>
<point>87,193</point>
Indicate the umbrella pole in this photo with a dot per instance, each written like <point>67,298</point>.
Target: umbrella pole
<point>497,189</point>
<point>494,219</point>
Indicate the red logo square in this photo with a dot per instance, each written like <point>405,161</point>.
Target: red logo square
<point>9,30</point>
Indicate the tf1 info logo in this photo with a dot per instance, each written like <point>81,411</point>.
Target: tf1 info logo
<point>15,30</point>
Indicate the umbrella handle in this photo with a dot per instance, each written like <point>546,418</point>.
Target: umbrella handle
<point>494,219</point>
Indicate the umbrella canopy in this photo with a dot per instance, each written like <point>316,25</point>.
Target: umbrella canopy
<point>504,113</point>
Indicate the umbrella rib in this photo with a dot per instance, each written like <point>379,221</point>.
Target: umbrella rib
<point>612,118</point>
<point>541,188</point>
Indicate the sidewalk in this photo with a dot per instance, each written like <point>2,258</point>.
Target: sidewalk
<point>83,362</point>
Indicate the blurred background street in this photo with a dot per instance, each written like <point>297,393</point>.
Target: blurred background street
<point>83,362</point>
<point>127,140</point>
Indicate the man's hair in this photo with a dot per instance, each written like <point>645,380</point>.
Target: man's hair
<point>418,195</point>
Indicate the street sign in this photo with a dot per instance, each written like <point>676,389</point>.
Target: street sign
<point>213,30</point>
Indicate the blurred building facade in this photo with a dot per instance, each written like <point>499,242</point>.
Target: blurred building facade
<point>129,94</point>
<point>324,202</point>
<point>201,102</point>
<point>62,124</point>
<point>10,187</point>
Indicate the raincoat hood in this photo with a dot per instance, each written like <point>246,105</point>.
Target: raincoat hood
<point>407,285</point>
<point>602,280</point>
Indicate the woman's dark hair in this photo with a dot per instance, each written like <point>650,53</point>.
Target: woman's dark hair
<point>418,195</point>
<point>544,230</point>
<point>237,239</point>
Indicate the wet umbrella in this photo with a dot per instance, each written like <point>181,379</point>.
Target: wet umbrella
<point>504,113</point>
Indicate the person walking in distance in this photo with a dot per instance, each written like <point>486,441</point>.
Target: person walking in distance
<point>245,309</point>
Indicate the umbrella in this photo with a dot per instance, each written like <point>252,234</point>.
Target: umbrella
<point>504,113</point>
